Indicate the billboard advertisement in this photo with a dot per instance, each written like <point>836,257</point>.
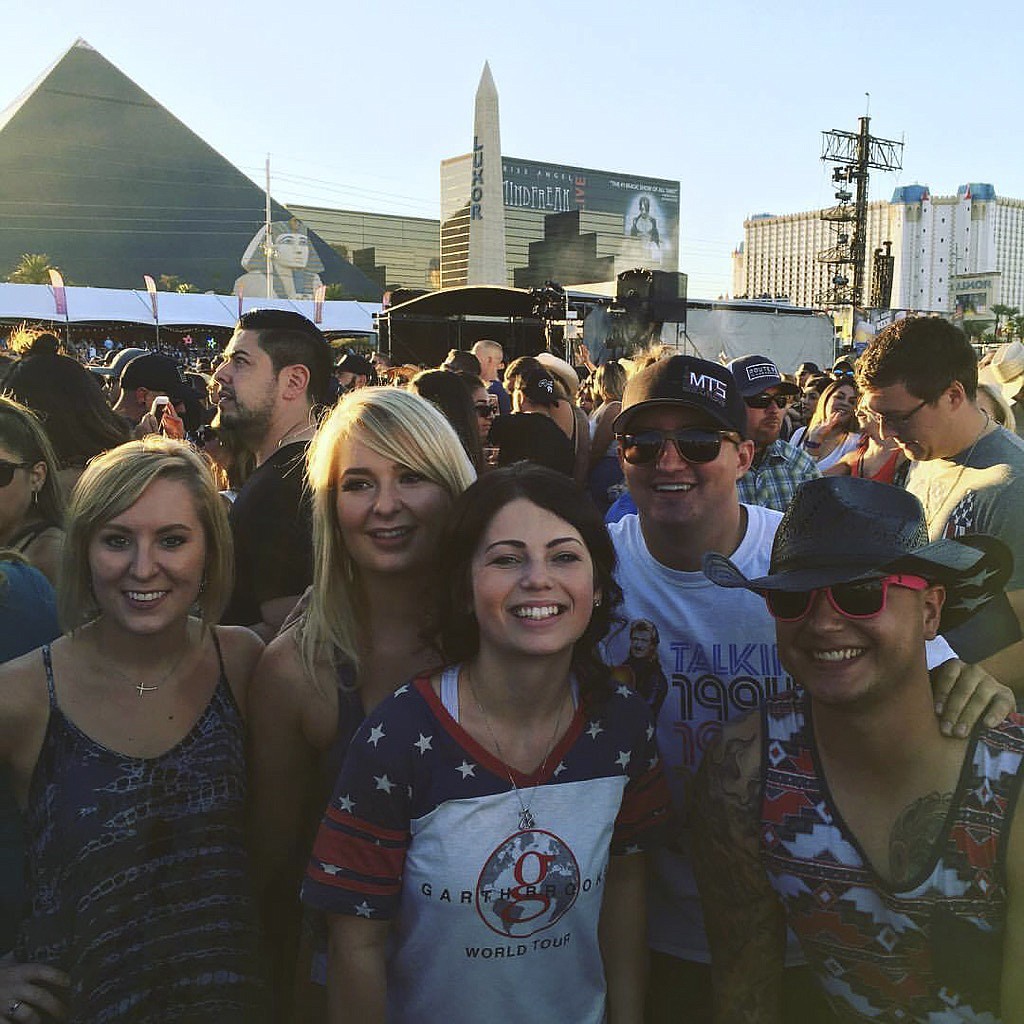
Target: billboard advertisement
<point>646,209</point>
<point>974,295</point>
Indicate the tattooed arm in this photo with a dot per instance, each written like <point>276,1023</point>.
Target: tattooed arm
<point>1012,994</point>
<point>745,921</point>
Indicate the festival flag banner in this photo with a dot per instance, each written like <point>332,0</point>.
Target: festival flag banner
<point>318,303</point>
<point>60,296</point>
<point>151,288</point>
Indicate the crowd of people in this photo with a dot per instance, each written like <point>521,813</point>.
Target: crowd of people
<point>336,691</point>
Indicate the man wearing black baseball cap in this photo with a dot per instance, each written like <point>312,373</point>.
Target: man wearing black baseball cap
<point>147,377</point>
<point>902,873</point>
<point>683,446</point>
<point>354,371</point>
<point>778,467</point>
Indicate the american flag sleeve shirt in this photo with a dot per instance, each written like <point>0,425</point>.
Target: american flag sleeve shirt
<point>424,827</point>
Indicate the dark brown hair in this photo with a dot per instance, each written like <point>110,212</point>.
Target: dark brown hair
<point>470,516</point>
<point>924,353</point>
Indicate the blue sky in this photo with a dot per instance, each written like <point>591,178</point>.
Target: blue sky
<point>358,103</point>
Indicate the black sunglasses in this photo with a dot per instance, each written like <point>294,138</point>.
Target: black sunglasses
<point>863,599</point>
<point>7,470</point>
<point>764,400</point>
<point>485,409</point>
<point>693,445</point>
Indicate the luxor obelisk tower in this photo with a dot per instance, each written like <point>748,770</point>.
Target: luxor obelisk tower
<point>486,202</point>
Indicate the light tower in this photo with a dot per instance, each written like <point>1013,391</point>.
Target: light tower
<point>854,153</point>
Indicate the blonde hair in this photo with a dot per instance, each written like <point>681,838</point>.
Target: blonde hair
<point>397,425</point>
<point>111,484</point>
<point>608,382</point>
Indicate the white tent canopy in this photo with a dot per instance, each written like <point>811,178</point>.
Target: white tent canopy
<point>38,302</point>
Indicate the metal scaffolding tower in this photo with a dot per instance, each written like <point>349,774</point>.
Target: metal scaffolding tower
<point>855,153</point>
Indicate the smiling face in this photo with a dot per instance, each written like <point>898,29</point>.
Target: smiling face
<point>390,516</point>
<point>532,583</point>
<point>147,564</point>
<point>671,493</point>
<point>842,400</point>
<point>840,660</point>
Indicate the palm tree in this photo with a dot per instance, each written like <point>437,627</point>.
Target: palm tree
<point>1016,326</point>
<point>173,283</point>
<point>1002,311</point>
<point>32,268</point>
<point>975,330</point>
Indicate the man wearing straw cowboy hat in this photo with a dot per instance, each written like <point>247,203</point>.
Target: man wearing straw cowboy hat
<point>894,853</point>
<point>1006,371</point>
<point>682,443</point>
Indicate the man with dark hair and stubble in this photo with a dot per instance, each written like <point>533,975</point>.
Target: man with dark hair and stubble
<point>920,378</point>
<point>274,376</point>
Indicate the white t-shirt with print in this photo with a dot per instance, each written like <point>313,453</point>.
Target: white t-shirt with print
<point>718,651</point>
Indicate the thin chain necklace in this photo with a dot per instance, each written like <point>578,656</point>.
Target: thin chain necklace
<point>140,685</point>
<point>930,517</point>
<point>526,818</point>
<point>297,429</point>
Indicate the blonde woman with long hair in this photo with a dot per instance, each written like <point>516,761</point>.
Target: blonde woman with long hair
<point>125,741</point>
<point>384,470</point>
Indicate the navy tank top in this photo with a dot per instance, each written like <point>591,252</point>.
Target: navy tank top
<point>138,873</point>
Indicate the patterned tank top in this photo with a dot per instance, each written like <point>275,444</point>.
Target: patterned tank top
<point>138,873</point>
<point>931,951</point>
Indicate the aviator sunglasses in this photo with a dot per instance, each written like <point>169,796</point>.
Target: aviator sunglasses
<point>485,409</point>
<point>693,445</point>
<point>861,599</point>
<point>762,401</point>
<point>7,470</point>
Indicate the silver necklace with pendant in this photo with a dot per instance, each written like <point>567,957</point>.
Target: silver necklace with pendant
<point>527,822</point>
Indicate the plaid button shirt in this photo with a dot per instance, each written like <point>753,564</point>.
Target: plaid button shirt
<point>774,477</point>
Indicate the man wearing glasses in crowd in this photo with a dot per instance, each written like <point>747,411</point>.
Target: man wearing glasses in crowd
<point>919,378</point>
<point>894,853</point>
<point>778,467</point>
<point>683,445</point>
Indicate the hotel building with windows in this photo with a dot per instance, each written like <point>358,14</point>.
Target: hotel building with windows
<point>945,250</point>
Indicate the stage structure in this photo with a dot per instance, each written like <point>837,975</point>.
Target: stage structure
<point>854,154</point>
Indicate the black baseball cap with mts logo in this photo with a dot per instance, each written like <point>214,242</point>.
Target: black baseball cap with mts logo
<point>688,382</point>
